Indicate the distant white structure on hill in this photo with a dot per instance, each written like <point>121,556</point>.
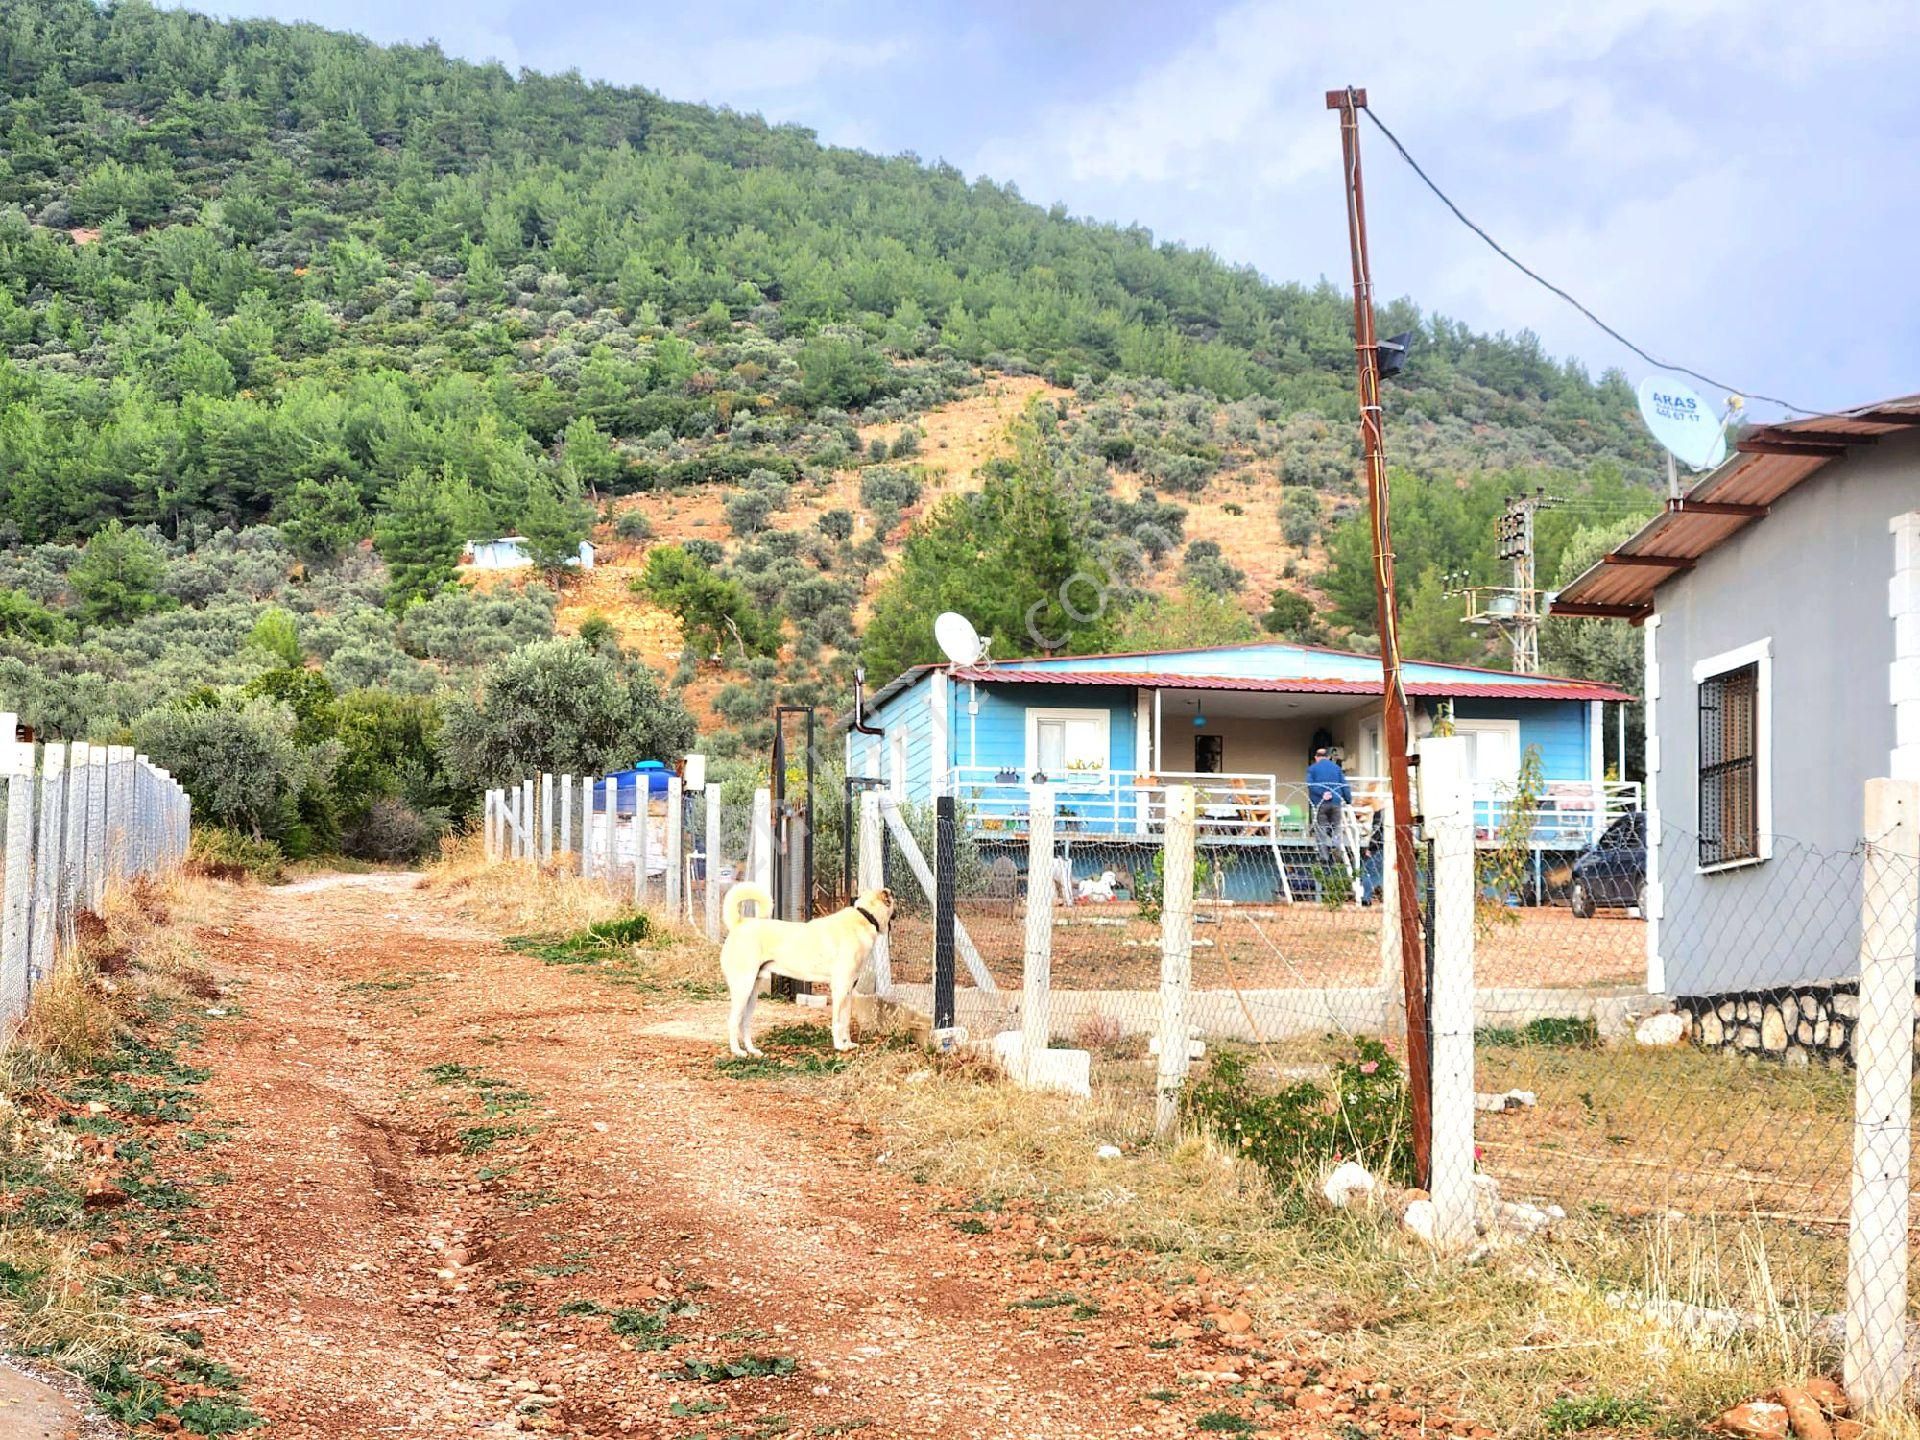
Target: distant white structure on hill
<point>509,552</point>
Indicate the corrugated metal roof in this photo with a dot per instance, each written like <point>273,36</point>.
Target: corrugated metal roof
<point>1768,462</point>
<point>1518,687</point>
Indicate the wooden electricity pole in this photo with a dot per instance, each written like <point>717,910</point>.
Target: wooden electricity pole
<point>1413,970</point>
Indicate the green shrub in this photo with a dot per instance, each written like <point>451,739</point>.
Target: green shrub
<point>224,854</point>
<point>1360,1115</point>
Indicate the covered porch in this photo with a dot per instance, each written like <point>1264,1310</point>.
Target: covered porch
<point>1245,750</point>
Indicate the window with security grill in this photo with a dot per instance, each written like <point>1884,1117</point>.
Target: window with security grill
<point>1729,766</point>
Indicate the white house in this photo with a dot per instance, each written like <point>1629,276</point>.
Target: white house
<point>510,553</point>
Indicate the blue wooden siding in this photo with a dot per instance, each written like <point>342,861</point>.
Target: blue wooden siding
<point>906,714</point>
<point>997,736</point>
<point>1557,727</point>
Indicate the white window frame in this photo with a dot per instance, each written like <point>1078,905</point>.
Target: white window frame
<point>897,765</point>
<point>1102,718</point>
<point>1510,728</point>
<point>1759,654</point>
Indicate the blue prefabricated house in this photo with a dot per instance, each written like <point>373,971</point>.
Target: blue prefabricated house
<point>1238,723</point>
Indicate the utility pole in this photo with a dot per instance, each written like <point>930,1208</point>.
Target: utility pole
<point>1366,349</point>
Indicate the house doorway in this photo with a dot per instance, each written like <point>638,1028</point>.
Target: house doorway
<point>1209,754</point>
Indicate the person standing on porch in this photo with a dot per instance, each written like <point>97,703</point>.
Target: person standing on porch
<point>1328,795</point>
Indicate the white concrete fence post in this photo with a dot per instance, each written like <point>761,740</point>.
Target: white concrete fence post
<point>45,923</point>
<point>1176,955</point>
<point>119,812</point>
<point>16,764</point>
<point>760,846</point>
<point>609,833</point>
<point>490,825</point>
<point>529,844</point>
<point>676,846</point>
<point>73,880</point>
<point>1036,973</point>
<point>1446,801</point>
<point>546,817</point>
<point>100,775</point>
<point>566,814</point>
<point>1875,1361</point>
<point>872,875</point>
<point>711,862</point>
<point>642,838</point>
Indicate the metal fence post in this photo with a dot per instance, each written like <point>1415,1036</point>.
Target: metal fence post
<point>1875,1361</point>
<point>711,863</point>
<point>1176,955</point>
<point>873,843</point>
<point>1446,800</point>
<point>47,869</point>
<point>945,864</point>
<point>16,764</point>
<point>676,860</point>
<point>1036,972</point>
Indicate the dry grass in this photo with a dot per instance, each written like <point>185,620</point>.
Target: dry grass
<point>1510,1334</point>
<point>138,946</point>
<point>519,898</point>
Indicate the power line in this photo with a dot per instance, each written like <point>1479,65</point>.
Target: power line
<point>1547,284</point>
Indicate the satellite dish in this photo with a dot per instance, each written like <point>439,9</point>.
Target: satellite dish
<point>957,638</point>
<point>1682,422</point>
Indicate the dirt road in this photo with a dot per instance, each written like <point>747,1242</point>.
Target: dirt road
<point>468,1191</point>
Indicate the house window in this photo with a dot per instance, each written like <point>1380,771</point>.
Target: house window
<point>1068,745</point>
<point>1729,755</point>
<point>1731,696</point>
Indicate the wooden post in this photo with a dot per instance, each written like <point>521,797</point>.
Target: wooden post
<point>16,764</point>
<point>872,864</point>
<point>48,889</point>
<point>1875,1359</point>
<point>1446,800</point>
<point>1176,955</point>
<point>546,816</point>
<point>1036,974</point>
<point>676,859</point>
<point>711,896</point>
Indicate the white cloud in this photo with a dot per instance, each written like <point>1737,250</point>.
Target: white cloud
<point>1635,152</point>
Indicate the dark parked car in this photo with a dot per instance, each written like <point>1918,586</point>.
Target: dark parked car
<point>1614,872</point>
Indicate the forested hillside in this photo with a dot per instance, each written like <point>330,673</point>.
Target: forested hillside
<point>269,293</point>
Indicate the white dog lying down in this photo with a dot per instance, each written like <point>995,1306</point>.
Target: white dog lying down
<point>1068,891</point>
<point>832,950</point>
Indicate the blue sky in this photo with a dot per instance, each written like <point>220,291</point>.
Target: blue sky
<point>1728,182</point>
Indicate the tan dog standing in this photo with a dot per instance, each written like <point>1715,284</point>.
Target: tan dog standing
<point>831,950</point>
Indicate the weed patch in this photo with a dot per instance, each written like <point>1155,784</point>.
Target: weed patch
<point>745,1367</point>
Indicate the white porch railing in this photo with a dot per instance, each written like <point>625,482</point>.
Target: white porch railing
<point>1262,809</point>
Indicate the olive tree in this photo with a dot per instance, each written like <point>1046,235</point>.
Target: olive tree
<point>560,706</point>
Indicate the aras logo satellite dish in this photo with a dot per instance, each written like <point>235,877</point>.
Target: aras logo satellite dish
<point>1682,421</point>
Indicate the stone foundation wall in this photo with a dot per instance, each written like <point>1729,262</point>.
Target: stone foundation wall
<point>1798,1025</point>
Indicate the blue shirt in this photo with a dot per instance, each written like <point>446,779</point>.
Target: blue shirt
<point>1325,781</point>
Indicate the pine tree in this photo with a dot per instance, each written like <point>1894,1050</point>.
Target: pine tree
<point>415,535</point>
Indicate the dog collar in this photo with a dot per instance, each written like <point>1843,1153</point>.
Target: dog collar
<point>868,916</point>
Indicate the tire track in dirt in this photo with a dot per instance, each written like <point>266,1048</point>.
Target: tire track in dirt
<point>508,1241</point>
